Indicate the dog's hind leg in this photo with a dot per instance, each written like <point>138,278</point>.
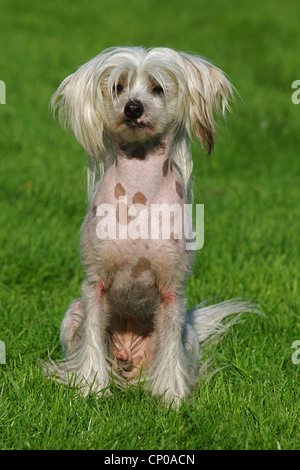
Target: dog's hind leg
<point>71,328</point>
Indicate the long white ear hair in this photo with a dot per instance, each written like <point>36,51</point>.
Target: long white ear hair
<point>80,107</point>
<point>207,91</point>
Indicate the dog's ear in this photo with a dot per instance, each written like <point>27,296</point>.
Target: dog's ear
<point>80,106</point>
<point>208,90</point>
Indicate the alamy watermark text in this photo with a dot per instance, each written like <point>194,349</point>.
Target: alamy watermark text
<point>2,92</point>
<point>157,222</point>
<point>296,95</point>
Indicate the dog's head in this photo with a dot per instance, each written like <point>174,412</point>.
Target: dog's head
<point>132,94</point>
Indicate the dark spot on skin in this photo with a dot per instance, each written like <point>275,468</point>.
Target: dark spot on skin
<point>94,211</point>
<point>179,190</point>
<point>138,152</point>
<point>133,151</point>
<point>146,246</point>
<point>139,198</point>
<point>142,265</point>
<point>119,191</point>
<point>165,167</point>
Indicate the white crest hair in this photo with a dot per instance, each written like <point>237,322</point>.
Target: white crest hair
<point>202,88</point>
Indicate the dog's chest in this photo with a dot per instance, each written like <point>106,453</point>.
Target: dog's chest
<point>140,185</point>
<point>135,225</point>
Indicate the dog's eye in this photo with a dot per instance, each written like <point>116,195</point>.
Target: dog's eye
<point>117,89</point>
<point>158,90</point>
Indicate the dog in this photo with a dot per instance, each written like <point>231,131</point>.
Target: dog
<point>135,112</point>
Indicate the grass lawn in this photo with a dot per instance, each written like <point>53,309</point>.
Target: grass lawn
<point>250,189</point>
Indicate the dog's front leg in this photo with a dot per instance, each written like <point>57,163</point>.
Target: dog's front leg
<point>83,338</point>
<point>169,371</point>
<point>94,366</point>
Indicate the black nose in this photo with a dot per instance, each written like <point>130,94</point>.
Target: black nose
<point>133,109</point>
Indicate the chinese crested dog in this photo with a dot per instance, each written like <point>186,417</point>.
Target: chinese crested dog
<point>135,112</point>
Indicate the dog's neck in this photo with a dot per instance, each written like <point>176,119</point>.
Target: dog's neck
<point>142,150</point>
<point>137,163</point>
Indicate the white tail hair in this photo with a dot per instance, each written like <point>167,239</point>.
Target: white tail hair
<point>208,320</point>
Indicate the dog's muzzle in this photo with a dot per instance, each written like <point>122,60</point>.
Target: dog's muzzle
<point>133,110</point>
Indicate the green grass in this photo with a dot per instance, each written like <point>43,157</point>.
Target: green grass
<point>250,188</point>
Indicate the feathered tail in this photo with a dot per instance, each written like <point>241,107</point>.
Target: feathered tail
<point>208,320</point>
<point>204,325</point>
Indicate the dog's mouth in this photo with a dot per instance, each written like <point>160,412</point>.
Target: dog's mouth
<point>140,126</point>
<point>133,124</point>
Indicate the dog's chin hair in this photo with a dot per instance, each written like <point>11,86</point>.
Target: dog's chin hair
<point>143,135</point>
